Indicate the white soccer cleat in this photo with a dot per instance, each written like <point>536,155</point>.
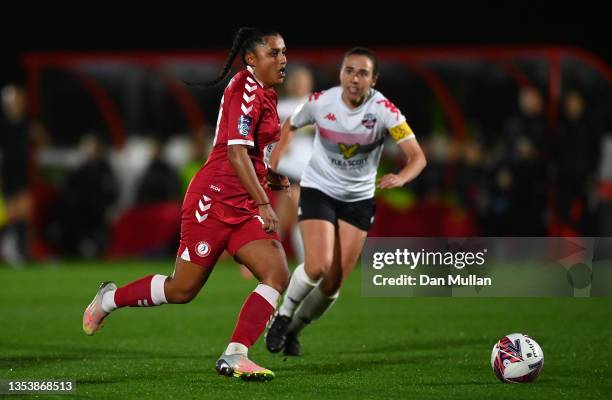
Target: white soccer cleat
<point>239,366</point>
<point>94,313</point>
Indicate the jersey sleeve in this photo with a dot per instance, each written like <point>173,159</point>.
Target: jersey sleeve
<point>303,115</point>
<point>244,111</point>
<point>395,122</point>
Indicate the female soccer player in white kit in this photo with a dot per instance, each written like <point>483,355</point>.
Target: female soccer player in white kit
<point>337,188</point>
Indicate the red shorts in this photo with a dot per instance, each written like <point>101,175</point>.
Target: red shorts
<point>208,228</point>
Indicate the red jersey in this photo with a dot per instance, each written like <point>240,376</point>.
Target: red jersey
<point>247,116</point>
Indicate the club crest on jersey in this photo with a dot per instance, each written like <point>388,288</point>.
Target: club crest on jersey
<point>348,151</point>
<point>202,249</point>
<point>369,120</point>
<point>244,125</point>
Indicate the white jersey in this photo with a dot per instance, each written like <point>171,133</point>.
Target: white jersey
<point>298,153</point>
<point>348,142</point>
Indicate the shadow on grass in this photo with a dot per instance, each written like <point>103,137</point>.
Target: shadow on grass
<point>41,353</point>
<point>353,366</point>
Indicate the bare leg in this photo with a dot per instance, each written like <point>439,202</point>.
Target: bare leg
<point>348,246</point>
<point>319,239</point>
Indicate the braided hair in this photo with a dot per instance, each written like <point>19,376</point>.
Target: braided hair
<point>246,40</point>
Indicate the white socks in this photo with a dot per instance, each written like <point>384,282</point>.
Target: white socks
<point>299,287</point>
<point>270,294</point>
<point>158,294</point>
<point>108,301</point>
<point>236,348</point>
<point>313,307</point>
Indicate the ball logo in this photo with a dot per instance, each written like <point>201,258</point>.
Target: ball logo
<point>202,249</point>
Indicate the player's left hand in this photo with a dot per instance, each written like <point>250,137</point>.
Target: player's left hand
<point>276,181</point>
<point>390,181</point>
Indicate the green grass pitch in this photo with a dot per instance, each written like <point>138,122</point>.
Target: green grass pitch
<point>364,348</point>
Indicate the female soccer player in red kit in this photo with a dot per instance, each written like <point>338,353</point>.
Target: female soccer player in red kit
<point>226,208</point>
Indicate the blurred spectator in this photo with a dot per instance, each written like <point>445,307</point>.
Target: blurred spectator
<point>88,195</point>
<point>605,186</point>
<point>503,215</point>
<point>577,158</point>
<point>160,181</point>
<point>298,87</point>
<point>525,141</point>
<point>200,148</point>
<point>472,188</point>
<point>14,141</point>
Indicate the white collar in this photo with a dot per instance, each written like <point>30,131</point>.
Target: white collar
<point>252,71</point>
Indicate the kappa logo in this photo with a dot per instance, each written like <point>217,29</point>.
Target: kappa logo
<point>348,151</point>
<point>202,249</point>
<point>315,96</point>
<point>330,117</point>
<point>387,104</point>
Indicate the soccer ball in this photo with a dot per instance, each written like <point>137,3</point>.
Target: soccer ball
<point>517,358</point>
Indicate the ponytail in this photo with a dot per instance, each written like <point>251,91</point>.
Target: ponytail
<point>245,40</point>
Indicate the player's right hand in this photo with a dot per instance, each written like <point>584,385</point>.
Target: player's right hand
<point>270,220</point>
<point>276,181</point>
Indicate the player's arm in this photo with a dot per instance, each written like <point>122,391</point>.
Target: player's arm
<point>415,158</point>
<point>241,162</point>
<point>286,136</point>
<point>243,117</point>
<point>302,116</point>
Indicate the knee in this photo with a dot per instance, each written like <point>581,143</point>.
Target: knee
<point>283,279</point>
<point>317,267</point>
<point>278,274</point>
<point>278,277</point>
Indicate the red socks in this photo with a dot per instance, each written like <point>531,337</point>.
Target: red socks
<point>144,292</point>
<point>255,314</point>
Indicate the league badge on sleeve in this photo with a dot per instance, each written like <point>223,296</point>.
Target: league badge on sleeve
<point>244,125</point>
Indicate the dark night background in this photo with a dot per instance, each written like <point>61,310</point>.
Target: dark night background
<point>493,164</point>
<point>174,26</point>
